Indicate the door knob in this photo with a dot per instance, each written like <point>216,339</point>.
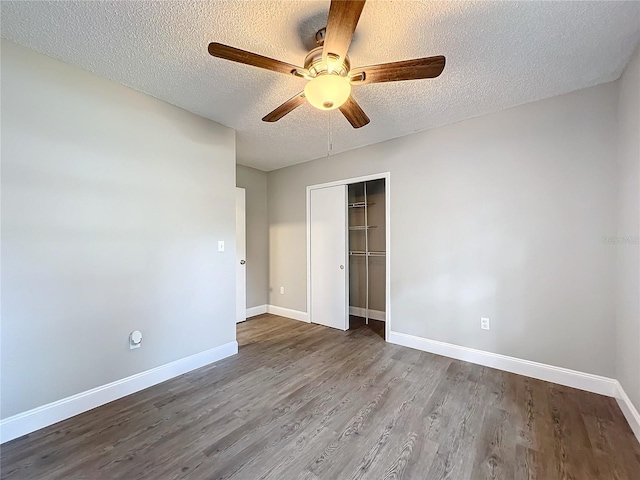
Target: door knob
<point>341,267</point>
<point>242,262</point>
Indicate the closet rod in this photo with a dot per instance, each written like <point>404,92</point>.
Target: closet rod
<point>359,204</point>
<point>371,254</point>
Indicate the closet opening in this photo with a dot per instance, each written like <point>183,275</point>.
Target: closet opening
<point>348,263</point>
<point>367,255</point>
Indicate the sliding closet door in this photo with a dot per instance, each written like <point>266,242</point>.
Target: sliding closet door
<point>329,264</point>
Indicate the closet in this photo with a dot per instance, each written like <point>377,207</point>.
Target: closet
<point>347,254</point>
<point>367,251</point>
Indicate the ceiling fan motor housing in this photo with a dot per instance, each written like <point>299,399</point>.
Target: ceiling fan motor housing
<point>314,64</point>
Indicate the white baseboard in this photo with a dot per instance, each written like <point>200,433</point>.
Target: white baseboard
<point>287,312</point>
<point>259,310</point>
<point>629,410</point>
<point>563,376</point>
<point>40,417</point>
<point>362,312</point>
<point>304,317</point>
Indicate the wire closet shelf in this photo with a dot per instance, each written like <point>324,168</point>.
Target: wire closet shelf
<point>366,252</point>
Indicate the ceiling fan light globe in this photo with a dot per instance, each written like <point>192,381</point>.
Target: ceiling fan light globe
<point>327,92</point>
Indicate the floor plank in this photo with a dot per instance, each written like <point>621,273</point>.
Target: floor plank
<point>306,402</point>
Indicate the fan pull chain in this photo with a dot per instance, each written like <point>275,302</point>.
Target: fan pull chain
<point>329,134</point>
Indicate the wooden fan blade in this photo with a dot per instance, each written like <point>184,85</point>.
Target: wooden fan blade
<point>429,67</point>
<point>242,56</point>
<point>342,22</point>
<point>352,112</point>
<point>287,107</point>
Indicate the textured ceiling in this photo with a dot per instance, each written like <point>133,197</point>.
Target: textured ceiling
<point>499,54</point>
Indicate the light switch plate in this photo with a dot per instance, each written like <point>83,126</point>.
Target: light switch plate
<point>221,245</point>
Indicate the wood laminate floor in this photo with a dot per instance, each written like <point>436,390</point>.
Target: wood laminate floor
<point>305,402</point>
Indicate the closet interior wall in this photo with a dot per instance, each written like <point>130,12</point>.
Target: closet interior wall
<point>367,249</point>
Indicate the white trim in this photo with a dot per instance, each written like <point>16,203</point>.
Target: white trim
<point>45,415</point>
<point>629,410</point>
<point>563,376</point>
<point>287,312</point>
<point>259,310</point>
<point>348,181</point>
<point>361,312</point>
<point>308,233</point>
<point>387,226</point>
<point>387,194</point>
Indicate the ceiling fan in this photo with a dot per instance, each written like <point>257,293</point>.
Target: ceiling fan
<point>328,68</point>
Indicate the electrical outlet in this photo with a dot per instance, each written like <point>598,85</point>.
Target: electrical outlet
<point>484,323</point>
<point>281,290</point>
<point>221,245</point>
<point>135,339</point>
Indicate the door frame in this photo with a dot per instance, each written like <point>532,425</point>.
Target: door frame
<point>387,213</point>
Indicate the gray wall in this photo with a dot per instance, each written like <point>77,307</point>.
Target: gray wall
<point>628,298</point>
<point>255,183</point>
<point>112,205</point>
<point>501,216</point>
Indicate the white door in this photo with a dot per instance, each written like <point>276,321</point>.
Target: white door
<point>328,241</point>
<point>241,269</point>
